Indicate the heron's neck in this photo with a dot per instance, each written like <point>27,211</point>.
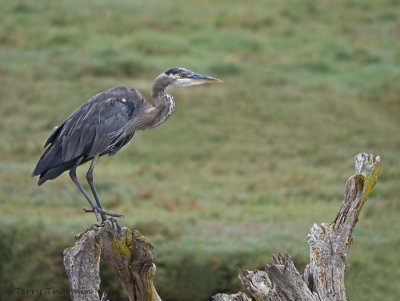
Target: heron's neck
<point>152,116</point>
<point>158,91</point>
<point>163,103</point>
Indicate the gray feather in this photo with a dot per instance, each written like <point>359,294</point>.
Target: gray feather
<point>90,130</point>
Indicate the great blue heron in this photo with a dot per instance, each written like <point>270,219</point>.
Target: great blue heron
<point>104,124</point>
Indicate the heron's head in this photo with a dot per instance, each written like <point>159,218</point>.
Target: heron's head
<point>184,77</point>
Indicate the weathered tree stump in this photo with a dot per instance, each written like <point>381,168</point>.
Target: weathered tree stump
<point>128,253</point>
<point>131,256</point>
<point>323,278</point>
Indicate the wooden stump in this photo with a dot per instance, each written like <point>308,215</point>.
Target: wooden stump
<point>128,253</point>
<point>323,278</point>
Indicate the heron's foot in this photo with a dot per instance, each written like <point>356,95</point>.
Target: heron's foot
<point>97,210</point>
<point>115,225</point>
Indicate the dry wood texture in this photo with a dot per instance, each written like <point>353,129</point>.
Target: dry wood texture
<point>128,253</point>
<point>132,257</point>
<point>323,278</point>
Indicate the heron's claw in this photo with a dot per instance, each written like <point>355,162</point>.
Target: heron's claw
<point>97,211</point>
<point>115,225</point>
<point>94,210</point>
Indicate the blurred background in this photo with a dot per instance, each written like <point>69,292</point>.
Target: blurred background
<point>240,171</point>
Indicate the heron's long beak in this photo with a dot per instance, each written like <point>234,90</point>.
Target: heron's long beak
<point>203,79</point>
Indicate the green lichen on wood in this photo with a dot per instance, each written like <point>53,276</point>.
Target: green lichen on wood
<point>140,238</point>
<point>153,296</point>
<point>98,241</point>
<point>123,244</point>
<point>369,167</point>
<point>371,178</point>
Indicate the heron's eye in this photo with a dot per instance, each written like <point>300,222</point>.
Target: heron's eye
<point>181,74</point>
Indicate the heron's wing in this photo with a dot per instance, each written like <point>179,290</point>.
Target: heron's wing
<point>91,129</point>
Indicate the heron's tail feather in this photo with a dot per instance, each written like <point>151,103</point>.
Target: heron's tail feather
<point>51,164</point>
<point>47,160</point>
<point>54,172</point>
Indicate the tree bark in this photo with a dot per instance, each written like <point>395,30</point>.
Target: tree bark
<point>131,256</point>
<point>323,278</point>
<point>128,253</point>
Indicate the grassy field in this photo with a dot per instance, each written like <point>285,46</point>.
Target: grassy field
<point>241,170</point>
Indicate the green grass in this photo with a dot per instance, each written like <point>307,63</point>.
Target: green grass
<point>241,170</point>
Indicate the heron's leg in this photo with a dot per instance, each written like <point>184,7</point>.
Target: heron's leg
<point>72,174</point>
<point>89,178</point>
